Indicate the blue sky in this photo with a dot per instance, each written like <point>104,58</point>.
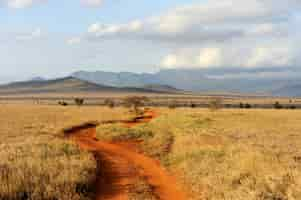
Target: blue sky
<point>53,38</point>
<point>70,16</point>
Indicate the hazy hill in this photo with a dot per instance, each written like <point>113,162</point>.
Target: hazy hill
<point>259,80</point>
<point>161,88</point>
<point>71,84</point>
<point>289,90</point>
<point>68,84</point>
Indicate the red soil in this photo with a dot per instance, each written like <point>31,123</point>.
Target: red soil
<point>147,117</point>
<point>119,165</point>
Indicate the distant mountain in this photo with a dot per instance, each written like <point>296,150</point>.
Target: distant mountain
<point>162,88</point>
<point>289,90</point>
<point>122,79</point>
<point>65,85</point>
<point>38,78</point>
<point>261,81</point>
<point>237,80</point>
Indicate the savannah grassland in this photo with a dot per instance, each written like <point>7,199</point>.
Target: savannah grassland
<point>36,161</point>
<point>221,155</point>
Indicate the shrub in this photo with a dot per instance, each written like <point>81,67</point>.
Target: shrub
<point>248,106</point>
<point>110,103</point>
<point>241,105</point>
<point>215,103</point>
<point>277,105</point>
<point>63,103</point>
<point>172,105</point>
<point>135,102</point>
<point>79,101</point>
<point>193,105</point>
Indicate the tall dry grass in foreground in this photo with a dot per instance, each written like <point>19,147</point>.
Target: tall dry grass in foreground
<point>35,163</point>
<point>38,169</point>
<point>227,154</point>
<point>222,155</point>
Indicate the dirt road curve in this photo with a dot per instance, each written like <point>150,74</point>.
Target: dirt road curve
<point>119,165</point>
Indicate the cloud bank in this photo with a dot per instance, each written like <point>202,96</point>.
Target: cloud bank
<point>218,33</point>
<point>17,4</point>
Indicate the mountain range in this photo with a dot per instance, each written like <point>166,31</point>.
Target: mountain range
<point>264,81</point>
<point>74,85</point>
<point>277,82</point>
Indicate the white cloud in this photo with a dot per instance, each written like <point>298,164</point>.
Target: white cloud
<point>248,56</point>
<point>20,3</point>
<point>234,17</point>
<point>92,3</point>
<point>37,33</point>
<point>99,30</point>
<point>193,58</point>
<point>216,33</point>
<point>270,56</point>
<point>255,75</point>
<point>28,3</point>
<point>74,41</point>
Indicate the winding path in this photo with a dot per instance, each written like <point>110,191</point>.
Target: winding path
<point>119,165</point>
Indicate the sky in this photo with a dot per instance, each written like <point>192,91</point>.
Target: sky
<point>53,38</point>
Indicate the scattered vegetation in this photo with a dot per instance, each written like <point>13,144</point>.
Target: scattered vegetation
<point>193,105</point>
<point>79,101</point>
<point>109,102</point>
<point>215,103</point>
<point>293,107</point>
<point>246,106</point>
<point>277,105</point>
<point>135,102</point>
<point>63,103</point>
<point>172,104</point>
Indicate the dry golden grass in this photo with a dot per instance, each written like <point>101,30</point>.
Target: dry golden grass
<point>36,163</point>
<point>96,98</point>
<point>238,154</point>
<point>227,154</point>
<point>222,155</point>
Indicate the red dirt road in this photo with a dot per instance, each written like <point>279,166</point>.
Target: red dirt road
<point>119,166</point>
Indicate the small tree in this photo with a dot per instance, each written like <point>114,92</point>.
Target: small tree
<point>277,105</point>
<point>193,105</point>
<point>172,105</point>
<point>241,105</point>
<point>79,101</point>
<point>110,103</point>
<point>135,102</point>
<point>63,103</point>
<point>293,107</point>
<point>248,106</point>
<point>215,103</point>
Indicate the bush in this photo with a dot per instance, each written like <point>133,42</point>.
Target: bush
<point>277,105</point>
<point>135,102</point>
<point>215,104</point>
<point>172,105</point>
<point>193,105</point>
<point>110,103</point>
<point>79,101</point>
<point>63,103</point>
<point>248,106</point>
